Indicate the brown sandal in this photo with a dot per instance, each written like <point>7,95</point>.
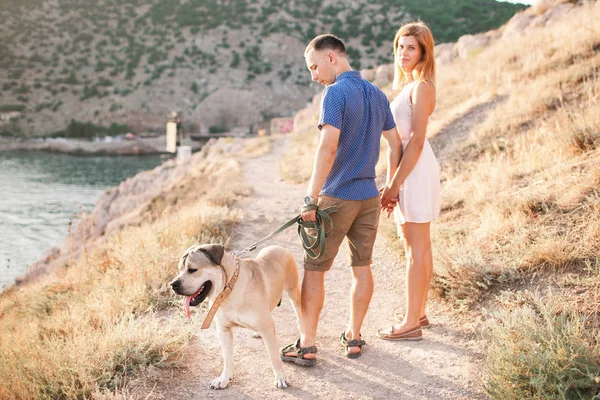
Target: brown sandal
<point>300,352</point>
<point>352,343</point>
<point>423,321</point>
<point>411,334</point>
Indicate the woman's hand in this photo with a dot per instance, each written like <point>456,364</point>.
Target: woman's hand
<point>389,198</point>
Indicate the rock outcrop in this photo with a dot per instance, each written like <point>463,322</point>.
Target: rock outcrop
<point>543,12</point>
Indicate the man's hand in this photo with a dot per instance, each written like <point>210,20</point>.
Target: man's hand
<point>309,216</point>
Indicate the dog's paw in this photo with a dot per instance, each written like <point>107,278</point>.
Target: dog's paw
<point>220,383</point>
<point>282,383</point>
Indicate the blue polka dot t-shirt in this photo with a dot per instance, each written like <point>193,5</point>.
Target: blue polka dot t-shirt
<point>361,111</point>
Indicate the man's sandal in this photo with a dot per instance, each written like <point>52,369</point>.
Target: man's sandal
<point>351,343</point>
<point>300,352</point>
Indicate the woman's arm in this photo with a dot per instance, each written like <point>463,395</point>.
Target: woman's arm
<point>423,100</point>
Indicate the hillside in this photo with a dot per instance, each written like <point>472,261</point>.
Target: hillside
<point>516,291</point>
<point>223,64</point>
<point>517,241</point>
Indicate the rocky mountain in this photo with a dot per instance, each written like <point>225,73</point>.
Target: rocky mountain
<point>224,64</point>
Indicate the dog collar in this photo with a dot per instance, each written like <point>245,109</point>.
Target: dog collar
<point>223,295</point>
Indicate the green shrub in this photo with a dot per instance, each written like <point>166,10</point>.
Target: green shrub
<point>90,91</point>
<point>12,107</point>
<point>77,129</point>
<point>9,85</point>
<point>23,89</point>
<point>543,350</point>
<point>71,79</point>
<point>104,82</point>
<point>16,73</point>
<point>235,61</point>
<point>56,105</point>
<point>216,129</point>
<point>83,37</point>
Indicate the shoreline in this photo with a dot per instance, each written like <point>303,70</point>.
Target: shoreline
<point>116,147</point>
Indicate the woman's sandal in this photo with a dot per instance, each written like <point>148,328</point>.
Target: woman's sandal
<point>423,321</point>
<point>300,352</point>
<point>410,334</point>
<point>351,343</point>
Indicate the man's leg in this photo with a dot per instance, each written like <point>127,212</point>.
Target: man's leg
<point>361,239</point>
<point>362,291</point>
<point>311,300</point>
<point>313,297</point>
<point>313,284</point>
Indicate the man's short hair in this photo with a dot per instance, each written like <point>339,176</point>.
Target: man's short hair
<point>326,42</point>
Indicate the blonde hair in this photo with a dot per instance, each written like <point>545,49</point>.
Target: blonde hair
<point>425,69</point>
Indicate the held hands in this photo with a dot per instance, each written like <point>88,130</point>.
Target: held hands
<point>389,198</point>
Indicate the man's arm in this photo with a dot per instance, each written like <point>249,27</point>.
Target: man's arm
<point>394,151</point>
<point>324,157</point>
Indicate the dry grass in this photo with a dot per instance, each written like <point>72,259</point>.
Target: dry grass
<point>95,326</point>
<point>521,204</point>
<point>542,349</point>
<point>110,316</point>
<point>257,147</point>
<point>526,183</point>
<point>521,209</point>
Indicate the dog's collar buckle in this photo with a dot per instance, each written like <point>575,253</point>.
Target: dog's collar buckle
<point>223,295</point>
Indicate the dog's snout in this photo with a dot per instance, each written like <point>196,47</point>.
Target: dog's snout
<point>176,284</point>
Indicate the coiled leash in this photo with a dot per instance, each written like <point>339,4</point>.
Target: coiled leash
<point>312,235</point>
<point>310,243</point>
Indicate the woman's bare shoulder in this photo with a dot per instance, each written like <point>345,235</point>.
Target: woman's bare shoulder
<point>424,93</point>
<point>424,88</point>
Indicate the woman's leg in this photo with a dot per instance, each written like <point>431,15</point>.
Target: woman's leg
<point>428,263</point>
<point>419,267</point>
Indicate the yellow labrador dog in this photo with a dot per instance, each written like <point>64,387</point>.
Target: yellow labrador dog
<point>204,270</point>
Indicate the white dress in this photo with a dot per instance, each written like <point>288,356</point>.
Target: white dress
<point>419,197</point>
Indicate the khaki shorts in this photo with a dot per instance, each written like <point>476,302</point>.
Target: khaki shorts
<point>355,219</point>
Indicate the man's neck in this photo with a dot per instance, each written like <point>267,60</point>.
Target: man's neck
<point>341,70</point>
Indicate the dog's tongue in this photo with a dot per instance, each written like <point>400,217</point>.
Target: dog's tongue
<point>186,305</point>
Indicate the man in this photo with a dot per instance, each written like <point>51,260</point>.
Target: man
<point>354,113</point>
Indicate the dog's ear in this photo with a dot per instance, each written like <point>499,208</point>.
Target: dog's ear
<point>214,252</point>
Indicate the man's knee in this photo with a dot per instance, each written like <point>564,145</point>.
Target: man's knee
<point>317,275</point>
<point>362,271</point>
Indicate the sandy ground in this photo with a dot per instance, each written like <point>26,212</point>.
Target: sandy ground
<point>446,364</point>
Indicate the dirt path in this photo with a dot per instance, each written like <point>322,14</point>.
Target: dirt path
<point>444,364</point>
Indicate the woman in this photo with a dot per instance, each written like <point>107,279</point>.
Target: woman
<point>413,187</point>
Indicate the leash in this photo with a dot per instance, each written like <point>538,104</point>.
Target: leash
<point>309,241</point>
<point>313,245</point>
